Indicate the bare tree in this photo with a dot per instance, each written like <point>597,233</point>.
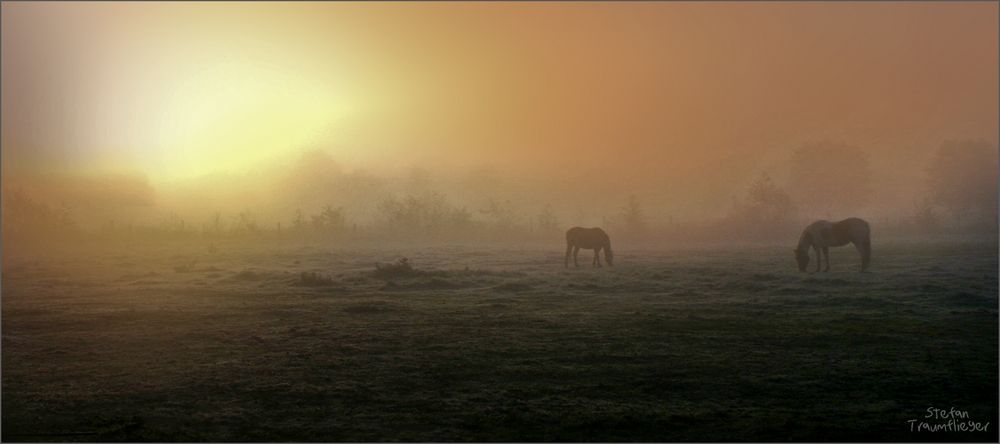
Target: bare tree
<point>24,217</point>
<point>299,222</point>
<point>329,220</point>
<point>213,228</point>
<point>427,214</point>
<point>547,221</point>
<point>767,202</point>
<point>633,217</point>
<point>767,212</point>
<point>962,177</point>
<point>500,215</point>
<point>245,223</point>
<point>925,217</point>
<point>171,223</point>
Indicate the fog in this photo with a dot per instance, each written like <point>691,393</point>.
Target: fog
<point>662,122</point>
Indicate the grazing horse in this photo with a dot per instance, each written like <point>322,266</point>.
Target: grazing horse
<point>590,239</point>
<point>822,234</point>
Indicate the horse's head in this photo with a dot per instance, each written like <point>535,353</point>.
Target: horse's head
<point>609,256</point>
<point>802,257</point>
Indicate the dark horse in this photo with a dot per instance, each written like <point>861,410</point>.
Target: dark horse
<point>590,239</point>
<point>822,234</point>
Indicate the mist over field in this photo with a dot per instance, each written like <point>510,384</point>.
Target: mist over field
<point>313,196</point>
<point>640,118</point>
<point>354,222</point>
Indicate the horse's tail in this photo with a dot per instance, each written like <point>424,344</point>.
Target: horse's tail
<point>608,254</point>
<point>866,248</point>
<point>569,247</point>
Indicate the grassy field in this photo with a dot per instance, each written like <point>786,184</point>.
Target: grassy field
<point>498,345</point>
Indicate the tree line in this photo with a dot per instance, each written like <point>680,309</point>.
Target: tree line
<point>959,193</point>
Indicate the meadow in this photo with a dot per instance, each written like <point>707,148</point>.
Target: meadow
<point>311,343</point>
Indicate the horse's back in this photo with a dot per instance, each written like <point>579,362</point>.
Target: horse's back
<point>852,229</point>
<point>586,237</point>
<point>856,222</point>
<point>836,234</point>
<point>853,225</point>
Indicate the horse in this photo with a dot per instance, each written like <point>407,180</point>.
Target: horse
<point>822,234</point>
<point>590,239</point>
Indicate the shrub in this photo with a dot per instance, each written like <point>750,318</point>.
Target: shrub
<point>311,279</point>
<point>401,268</point>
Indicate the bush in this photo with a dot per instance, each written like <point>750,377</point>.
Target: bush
<point>401,268</point>
<point>186,267</point>
<point>311,279</point>
<point>247,275</point>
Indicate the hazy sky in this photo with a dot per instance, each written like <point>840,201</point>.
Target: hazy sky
<point>685,96</point>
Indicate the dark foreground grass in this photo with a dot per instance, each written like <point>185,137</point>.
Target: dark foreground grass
<point>498,346</point>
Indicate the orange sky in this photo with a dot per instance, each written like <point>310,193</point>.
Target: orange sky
<point>686,96</point>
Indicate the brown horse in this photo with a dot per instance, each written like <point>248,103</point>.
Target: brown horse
<point>589,239</point>
<point>822,234</point>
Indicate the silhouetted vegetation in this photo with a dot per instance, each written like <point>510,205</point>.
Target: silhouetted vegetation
<point>428,215</point>
<point>766,212</point>
<point>401,268</point>
<point>27,220</point>
<point>548,222</point>
<point>962,179</point>
<point>326,205</point>
<point>248,275</point>
<point>186,267</point>
<point>313,279</point>
<point>329,221</point>
<point>634,221</point>
<point>926,218</point>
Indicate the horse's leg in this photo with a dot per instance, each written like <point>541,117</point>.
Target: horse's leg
<point>569,248</point>
<point>826,253</point>
<point>597,257</point>
<point>819,257</point>
<point>865,249</point>
<point>576,251</point>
